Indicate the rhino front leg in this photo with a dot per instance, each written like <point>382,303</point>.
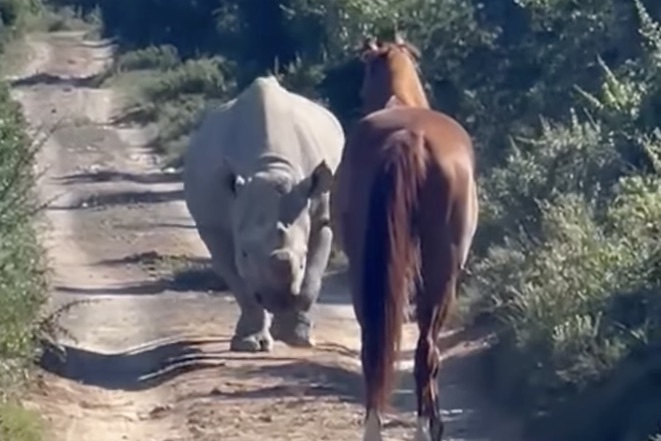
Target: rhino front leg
<point>252,329</point>
<point>294,326</point>
<point>251,333</point>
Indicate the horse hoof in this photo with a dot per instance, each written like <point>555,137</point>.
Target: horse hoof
<point>436,430</point>
<point>252,343</point>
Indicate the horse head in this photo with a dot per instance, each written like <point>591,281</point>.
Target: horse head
<point>391,71</point>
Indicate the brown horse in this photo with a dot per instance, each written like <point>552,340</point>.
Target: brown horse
<point>405,206</point>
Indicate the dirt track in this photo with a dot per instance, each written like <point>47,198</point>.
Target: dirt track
<point>150,358</point>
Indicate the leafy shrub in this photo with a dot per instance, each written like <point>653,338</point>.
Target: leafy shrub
<point>173,94</point>
<point>571,247</point>
<point>21,280</point>
<point>152,57</point>
<point>204,76</point>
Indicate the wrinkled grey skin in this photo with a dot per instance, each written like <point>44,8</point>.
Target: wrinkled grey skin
<point>257,178</point>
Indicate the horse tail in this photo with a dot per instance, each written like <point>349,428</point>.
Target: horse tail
<point>390,258</point>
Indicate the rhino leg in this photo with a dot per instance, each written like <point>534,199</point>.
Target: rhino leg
<point>251,333</point>
<point>252,329</point>
<point>294,327</point>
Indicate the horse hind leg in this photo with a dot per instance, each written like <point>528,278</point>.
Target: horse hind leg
<point>429,424</point>
<point>372,414</point>
<point>373,427</point>
<point>434,302</point>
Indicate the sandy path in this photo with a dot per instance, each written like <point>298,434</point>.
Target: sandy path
<point>150,358</point>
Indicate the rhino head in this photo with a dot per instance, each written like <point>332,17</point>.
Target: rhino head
<point>271,223</point>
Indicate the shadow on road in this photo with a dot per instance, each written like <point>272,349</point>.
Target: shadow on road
<point>121,198</point>
<point>48,79</point>
<point>150,226</point>
<point>303,377</point>
<point>202,280</point>
<point>138,369</point>
<point>114,176</point>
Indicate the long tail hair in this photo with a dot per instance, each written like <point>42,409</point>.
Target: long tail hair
<point>390,258</point>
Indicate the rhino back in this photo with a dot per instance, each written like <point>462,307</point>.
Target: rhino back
<point>263,122</point>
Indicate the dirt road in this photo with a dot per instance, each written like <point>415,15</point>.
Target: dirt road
<point>149,356</point>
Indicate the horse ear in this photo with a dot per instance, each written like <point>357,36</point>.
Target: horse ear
<point>401,42</point>
<point>370,44</point>
<point>369,47</point>
<point>393,102</point>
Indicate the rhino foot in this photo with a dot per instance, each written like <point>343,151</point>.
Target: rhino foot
<point>293,329</point>
<point>260,342</point>
<point>252,333</point>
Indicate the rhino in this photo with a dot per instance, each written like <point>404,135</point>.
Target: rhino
<point>257,176</point>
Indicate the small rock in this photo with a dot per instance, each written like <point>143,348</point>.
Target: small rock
<point>158,411</point>
<point>215,391</point>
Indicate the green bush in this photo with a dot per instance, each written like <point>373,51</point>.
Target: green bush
<point>572,262</point>
<point>14,15</point>
<point>152,57</point>
<point>21,280</point>
<point>19,424</point>
<point>204,77</point>
<point>173,94</point>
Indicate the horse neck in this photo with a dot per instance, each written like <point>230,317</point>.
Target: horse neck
<point>406,86</point>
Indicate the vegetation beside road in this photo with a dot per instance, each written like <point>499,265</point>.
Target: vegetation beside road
<point>22,266</point>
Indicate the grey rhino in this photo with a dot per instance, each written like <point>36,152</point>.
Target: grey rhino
<point>257,176</point>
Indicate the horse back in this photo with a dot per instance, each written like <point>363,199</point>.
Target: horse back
<point>448,143</point>
<point>450,164</point>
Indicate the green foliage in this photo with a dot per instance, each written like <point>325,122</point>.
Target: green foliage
<point>19,424</point>
<point>572,263</point>
<point>152,57</point>
<point>173,94</point>
<point>22,281</point>
<point>14,15</point>
<point>204,76</point>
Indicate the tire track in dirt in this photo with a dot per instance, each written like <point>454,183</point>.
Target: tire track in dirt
<point>150,360</point>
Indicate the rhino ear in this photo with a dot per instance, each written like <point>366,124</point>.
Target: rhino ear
<point>230,179</point>
<point>236,183</point>
<point>320,180</point>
